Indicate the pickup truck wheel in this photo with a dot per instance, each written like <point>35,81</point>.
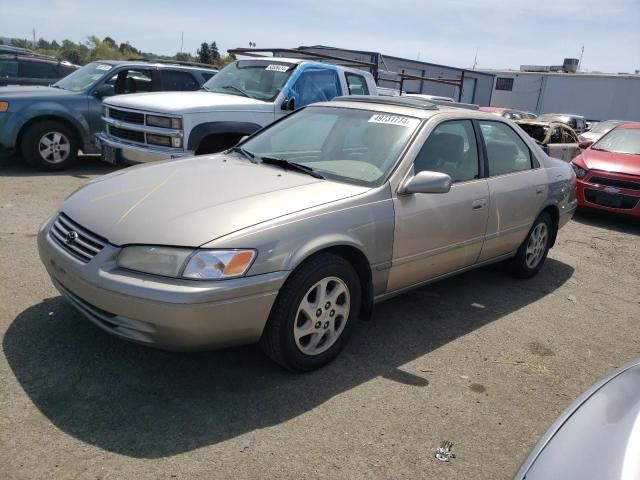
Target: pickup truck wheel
<point>50,145</point>
<point>314,314</point>
<point>534,249</point>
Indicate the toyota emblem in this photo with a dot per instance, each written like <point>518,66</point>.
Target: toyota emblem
<point>71,237</point>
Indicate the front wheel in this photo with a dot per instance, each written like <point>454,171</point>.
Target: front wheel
<point>50,145</point>
<point>314,314</point>
<point>533,252</point>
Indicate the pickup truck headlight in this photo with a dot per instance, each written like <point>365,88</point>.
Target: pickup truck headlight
<point>164,122</point>
<point>186,263</point>
<point>4,106</point>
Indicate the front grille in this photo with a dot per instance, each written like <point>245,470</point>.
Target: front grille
<point>126,134</point>
<point>126,116</point>
<point>84,245</point>
<point>612,182</point>
<point>598,197</point>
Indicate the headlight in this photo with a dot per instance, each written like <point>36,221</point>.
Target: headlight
<point>4,106</point>
<point>186,263</point>
<point>164,122</point>
<point>580,172</point>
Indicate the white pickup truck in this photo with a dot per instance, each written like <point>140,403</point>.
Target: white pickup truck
<point>242,98</point>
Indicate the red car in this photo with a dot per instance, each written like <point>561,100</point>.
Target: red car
<point>608,171</point>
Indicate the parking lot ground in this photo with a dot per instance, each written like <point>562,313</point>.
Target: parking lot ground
<point>77,403</point>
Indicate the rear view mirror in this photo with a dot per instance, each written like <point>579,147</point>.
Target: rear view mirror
<point>585,144</point>
<point>427,182</point>
<point>288,104</point>
<point>104,90</point>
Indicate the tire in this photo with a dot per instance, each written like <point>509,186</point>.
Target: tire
<point>302,333</point>
<point>50,145</point>
<point>533,252</point>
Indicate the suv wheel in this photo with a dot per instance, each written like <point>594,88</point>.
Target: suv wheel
<point>50,145</point>
<point>314,314</point>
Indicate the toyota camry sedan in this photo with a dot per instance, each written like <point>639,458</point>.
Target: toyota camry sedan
<point>291,236</point>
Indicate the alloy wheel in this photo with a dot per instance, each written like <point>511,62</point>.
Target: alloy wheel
<point>54,147</point>
<point>537,245</point>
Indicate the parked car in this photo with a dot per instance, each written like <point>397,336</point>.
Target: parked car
<point>430,97</point>
<point>599,129</point>
<point>245,96</point>
<point>48,125</point>
<point>293,234</point>
<point>509,113</point>
<point>608,171</point>
<point>32,69</point>
<point>556,139</point>
<point>577,122</point>
<point>596,437</point>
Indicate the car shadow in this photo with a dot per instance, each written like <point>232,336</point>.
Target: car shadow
<point>86,166</point>
<point>147,403</point>
<point>619,223</point>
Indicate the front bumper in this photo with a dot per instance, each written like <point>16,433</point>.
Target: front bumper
<point>592,194</point>
<point>166,313</point>
<point>129,152</point>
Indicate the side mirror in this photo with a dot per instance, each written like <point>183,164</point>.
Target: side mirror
<point>427,182</point>
<point>585,144</point>
<point>104,90</point>
<point>288,104</point>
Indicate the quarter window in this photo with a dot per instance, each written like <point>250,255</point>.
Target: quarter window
<point>357,84</point>
<point>8,68</point>
<point>506,151</point>
<point>451,149</point>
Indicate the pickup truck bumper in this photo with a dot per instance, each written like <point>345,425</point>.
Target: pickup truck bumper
<point>118,151</point>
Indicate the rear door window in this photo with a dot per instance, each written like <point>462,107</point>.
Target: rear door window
<point>506,151</point>
<point>176,80</point>
<point>357,84</point>
<point>32,69</point>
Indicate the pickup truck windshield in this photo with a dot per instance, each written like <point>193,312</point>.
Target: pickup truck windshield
<point>85,77</point>
<point>257,79</point>
<point>356,146</point>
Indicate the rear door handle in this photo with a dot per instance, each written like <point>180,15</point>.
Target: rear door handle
<point>479,204</point>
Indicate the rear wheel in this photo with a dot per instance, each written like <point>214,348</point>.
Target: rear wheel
<point>50,145</point>
<point>533,251</point>
<point>313,314</point>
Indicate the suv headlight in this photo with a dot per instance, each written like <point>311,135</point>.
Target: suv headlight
<point>187,263</point>
<point>164,122</point>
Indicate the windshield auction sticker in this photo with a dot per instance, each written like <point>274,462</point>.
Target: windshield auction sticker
<point>394,120</point>
<point>277,68</point>
<point>102,66</point>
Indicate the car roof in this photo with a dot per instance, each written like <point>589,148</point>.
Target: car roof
<point>563,115</point>
<point>141,63</point>
<point>629,125</point>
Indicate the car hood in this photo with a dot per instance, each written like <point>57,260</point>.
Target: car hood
<point>597,437</point>
<point>193,201</point>
<point>17,92</point>
<point>188,102</point>
<point>611,162</point>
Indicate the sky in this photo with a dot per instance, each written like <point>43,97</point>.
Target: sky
<point>504,33</point>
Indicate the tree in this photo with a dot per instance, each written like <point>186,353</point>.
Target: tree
<point>204,53</point>
<point>21,43</point>
<point>215,54</point>
<point>110,42</point>
<point>183,57</point>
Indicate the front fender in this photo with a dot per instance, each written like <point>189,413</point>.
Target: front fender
<point>205,129</point>
<point>19,119</point>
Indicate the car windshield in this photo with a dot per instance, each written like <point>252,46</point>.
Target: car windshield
<point>257,79</point>
<point>604,127</point>
<point>356,146</point>
<point>85,77</point>
<point>620,140</point>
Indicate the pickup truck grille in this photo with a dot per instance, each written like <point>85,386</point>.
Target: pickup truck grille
<point>126,116</point>
<point>75,239</point>
<point>125,134</point>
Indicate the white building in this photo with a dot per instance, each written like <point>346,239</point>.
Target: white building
<point>596,96</point>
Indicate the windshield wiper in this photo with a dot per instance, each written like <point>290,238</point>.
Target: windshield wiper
<point>233,87</point>
<point>244,153</point>
<point>287,165</point>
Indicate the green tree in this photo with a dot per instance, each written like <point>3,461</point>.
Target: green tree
<point>183,57</point>
<point>21,43</point>
<point>204,53</point>
<point>110,42</point>
<point>215,53</point>
<point>71,51</point>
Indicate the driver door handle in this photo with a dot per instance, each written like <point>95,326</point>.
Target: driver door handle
<point>479,204</point>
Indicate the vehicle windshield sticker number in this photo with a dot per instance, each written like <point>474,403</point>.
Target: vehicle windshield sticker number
<point>277,68</point>
<point>394,120</point>
<point>103,67</point>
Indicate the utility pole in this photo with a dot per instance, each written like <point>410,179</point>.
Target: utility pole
<point>34,38</point>
<point>475,60</point>
<point>181,41</point>
<point>580,61</point>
